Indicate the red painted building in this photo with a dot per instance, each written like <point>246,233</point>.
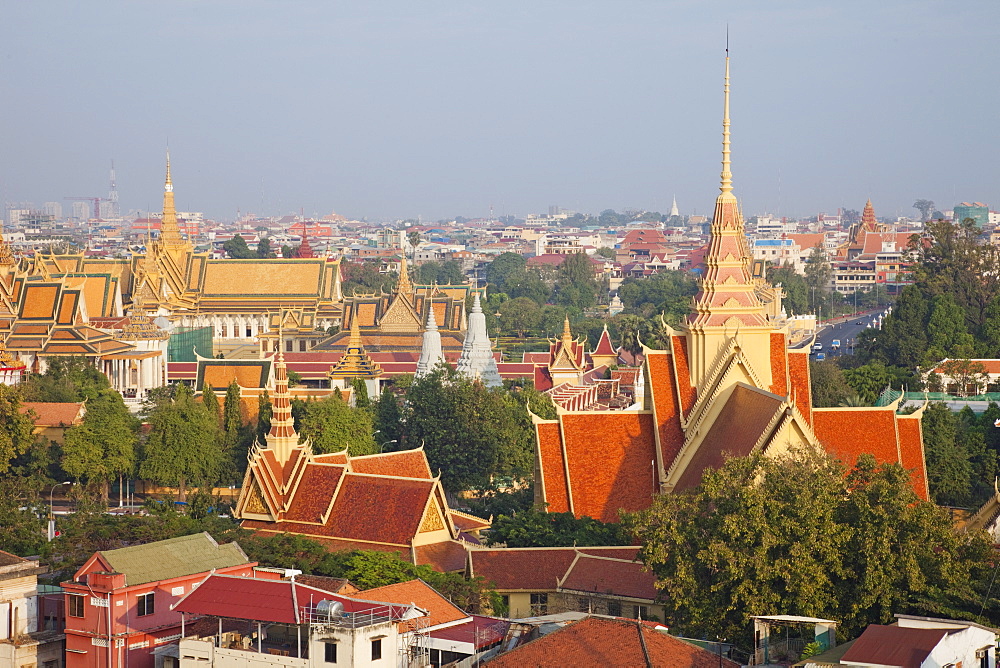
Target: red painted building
<point>119,601</point>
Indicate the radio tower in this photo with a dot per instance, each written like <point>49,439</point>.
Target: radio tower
<point>113,195</point>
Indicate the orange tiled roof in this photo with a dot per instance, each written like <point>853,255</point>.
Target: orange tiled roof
<point>386,510</point>
<point>403,464</point>
<point>602,642</point>
<point>54,414</point>
<point>314,493</point>
<point>601,575</point>
<point>663,390</point>
<point>440,609</point>
<point>535,568</point>
<point>447,556</point>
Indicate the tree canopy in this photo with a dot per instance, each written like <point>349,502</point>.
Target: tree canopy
<point>799,534</point>
<point>332,425</point>
<point>104,446</point>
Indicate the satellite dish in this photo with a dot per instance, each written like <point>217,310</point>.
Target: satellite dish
<point>163,323</point>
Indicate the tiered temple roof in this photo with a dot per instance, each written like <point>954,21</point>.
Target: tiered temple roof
<point>729,384</point>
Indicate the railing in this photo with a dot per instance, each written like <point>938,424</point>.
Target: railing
<point>350,620</point>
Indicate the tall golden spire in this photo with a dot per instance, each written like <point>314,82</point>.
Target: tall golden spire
<point>281,438</point>
<point>170,235</point>
<point>404,287</point>
<point>567,335</point>
<point>726,187</point>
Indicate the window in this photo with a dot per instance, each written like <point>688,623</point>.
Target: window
<point>615,608</point>
<point>145,604</point>
<point>376,649</point>
<point>330,652</point>
<point>505,601</point>
<point>641,612</point>
<point>540,604</point>
<point>583,604</point>
<point>75,605</point>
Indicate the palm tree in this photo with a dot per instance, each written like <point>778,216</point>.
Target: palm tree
<point>853,401</point>
<point>413,236</point>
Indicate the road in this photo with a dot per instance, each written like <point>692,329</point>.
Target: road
<point>845,331</point>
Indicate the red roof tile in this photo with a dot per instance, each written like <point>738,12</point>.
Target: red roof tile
<point>894,646</point>
<point>535,569</point>
<point>385,510</point>
<point>687,393</point>
<point>779,375</point>
<point>404,464</point>
<point>54,414</point>
<point>801,390</point>
<point>609,642</point>
<point>314,493</point>
<point>610,576</point>
<point>911,445</point>
<point>418,592</point>
<point>482,631</point>
<point>610,459</point>
<point>553,466</point>
<point>663,391</point>
<point>447,556</point>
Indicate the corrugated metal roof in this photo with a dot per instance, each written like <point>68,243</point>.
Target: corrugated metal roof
<point>173,558</point>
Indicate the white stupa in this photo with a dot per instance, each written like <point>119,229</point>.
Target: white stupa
<point>673,208</point>
<point>477,360</point>
<point>430,349</point>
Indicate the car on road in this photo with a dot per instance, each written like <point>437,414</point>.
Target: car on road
<point>820,357</point>
<point>817,346</point>
<point>835,344</point>
<point>860,322</point>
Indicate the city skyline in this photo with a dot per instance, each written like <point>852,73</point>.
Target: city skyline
<point>400,111</point>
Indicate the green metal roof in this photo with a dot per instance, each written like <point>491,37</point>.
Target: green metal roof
<point>173,558</point>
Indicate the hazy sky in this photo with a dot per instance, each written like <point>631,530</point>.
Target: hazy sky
<point>401,108</point>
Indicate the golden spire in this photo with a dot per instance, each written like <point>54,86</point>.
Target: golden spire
<point>567,335</point>
<point>170,235</point>
<point>355,340</point>
<point>404,286</point>
<point>355,363</point>
<point>726,186</point>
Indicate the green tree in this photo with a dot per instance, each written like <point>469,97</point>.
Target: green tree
<point>536,528</point>
<point>16,428</point>
<point>503,267</point>
<point>818,274</point>
<point>829,387</point>
<point>232,433</point>
<point>265,411</point>
<point>576,285</point>
<point>237,249</point>
<point>606,253</point>
<point>470,433</point>
<point>666,292</point>
<point>413,237</point>
<point>66,379</point>
<point>332,425</point>
<point>947,334</point>
<point>869,380</point>
<point>793,534</point>
<point>519,316</point>
<point>925,207</point>
<point>183,443</point>
<point>22,513</point>
<point>211,402</point>
<point>387,417</point>
<point>264,251</point>
<point>530,285</point>
<point>360,391</point>
<point>103,447</point>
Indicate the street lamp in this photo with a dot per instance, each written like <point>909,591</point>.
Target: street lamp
<point>385,444</point>
<point>52,514</point>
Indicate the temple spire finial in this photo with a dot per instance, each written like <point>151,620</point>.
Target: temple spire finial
<point>726,185</point>
<point>567,335</point>
<point>404,287</point>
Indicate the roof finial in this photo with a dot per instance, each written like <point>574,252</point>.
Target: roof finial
<point>567,335</point>
<point>727,175</point>
<point>404,287</point>
<point>169,184</point>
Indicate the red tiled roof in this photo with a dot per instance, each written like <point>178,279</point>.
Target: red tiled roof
<point>447,556</point>
<point>737,428</point>
<point>779,375</point>
<point>483,631</point>
<point>440,609</point>
<point>536,569</point>
<point>314,493</point>
<point>249,598</point>
<point>466,522</point>
<point>54,414</point>
<point>404,464</point>
<point>801,390</point>
<point>911,445</point>
<point>687,393</point>
<point>663,391</point>
<point>894,645</point>
<point>609,460</point>
<point>602,642</point>
<point>553,466</point>
<point>386,510</point>
<point>610,576</point>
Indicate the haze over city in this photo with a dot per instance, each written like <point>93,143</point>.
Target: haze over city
<point>398,110</point>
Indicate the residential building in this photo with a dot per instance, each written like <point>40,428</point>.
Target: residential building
<point>535,581</point>
<point>30,622</point>
<point>119,604</point>
<point>914,642</point>
<point>236,622</point>
<point>599,643</point>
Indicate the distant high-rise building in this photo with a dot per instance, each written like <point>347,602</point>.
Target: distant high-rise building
<point>81,210</point>
<point>977,211</point>
<point>53,209</point>
<point>16,216</point>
